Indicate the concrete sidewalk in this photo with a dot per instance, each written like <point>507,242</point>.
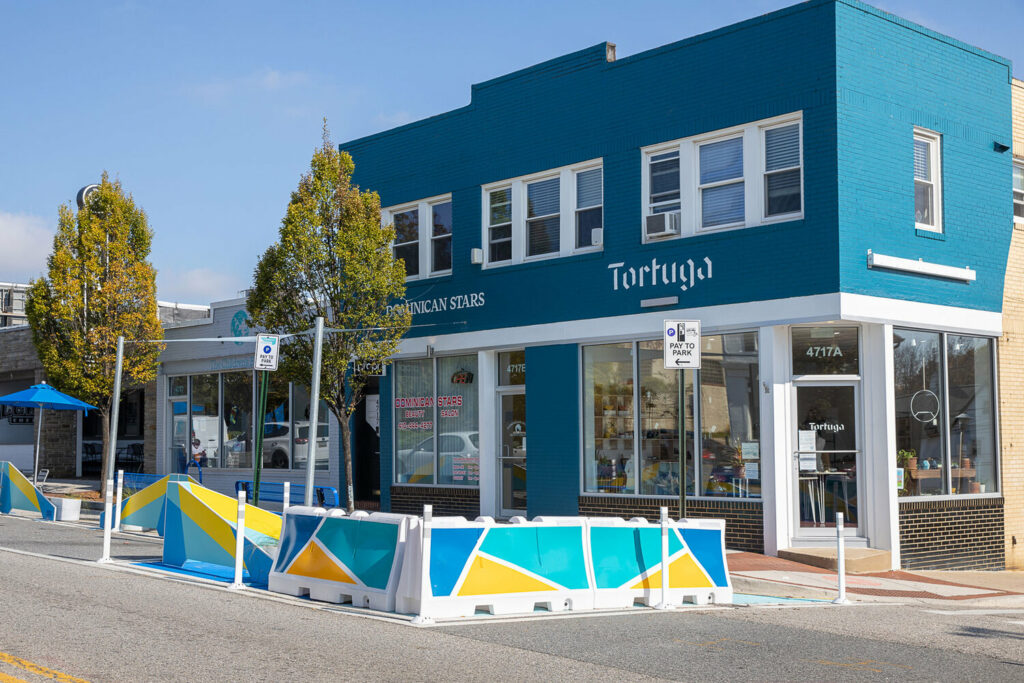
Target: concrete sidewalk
<point>764,575</point>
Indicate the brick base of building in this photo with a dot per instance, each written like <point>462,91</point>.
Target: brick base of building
<point>963,534</point>
<point>744,520</point>
<point>447,501</point>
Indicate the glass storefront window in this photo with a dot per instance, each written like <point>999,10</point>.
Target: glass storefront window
<point>659,423</point>
<point>237,447</point>
<point>437,437</point>
<point>825,351</point>
<point>300,430</point>
<point>730,416</point>
<point>945,413</point>
<point>608,418</point>
<point>277,437</point>
<point>177,386</point>
<point>205,410</point>
<point>458,438</point>
<point>511,368</point>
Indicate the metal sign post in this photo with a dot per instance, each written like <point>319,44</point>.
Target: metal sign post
<point>268,347</point>
<point>314,411</point>
<point>681,344</point>
<point>112,452</point>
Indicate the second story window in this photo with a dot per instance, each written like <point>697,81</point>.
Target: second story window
<point>664,182</point>
<point>721,183</point>
<point>423,236</point>
<point>1018,191</point>
<point>927,181</point>
<point>782,170</point>
<point>554,213</point>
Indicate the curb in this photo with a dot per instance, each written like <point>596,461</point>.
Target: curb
<point>742,584</point>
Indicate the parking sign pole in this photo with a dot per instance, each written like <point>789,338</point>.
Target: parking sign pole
<point>257,452</point>
<point>314,410</point>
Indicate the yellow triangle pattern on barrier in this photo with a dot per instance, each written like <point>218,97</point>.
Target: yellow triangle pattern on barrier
<point>487,577</point>
<point>683,572</point>
<point>315,563</point>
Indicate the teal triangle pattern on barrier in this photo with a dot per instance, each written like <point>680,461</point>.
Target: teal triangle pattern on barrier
<point>554,553</point>
<point>364,546</point>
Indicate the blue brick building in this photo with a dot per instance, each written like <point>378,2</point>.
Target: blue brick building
<point>823,188</point>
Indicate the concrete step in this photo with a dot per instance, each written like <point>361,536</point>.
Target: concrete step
<point>858,560</point>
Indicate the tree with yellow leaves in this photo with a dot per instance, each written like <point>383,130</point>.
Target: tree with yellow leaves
<point>99,285</point>
<point>333,259</point>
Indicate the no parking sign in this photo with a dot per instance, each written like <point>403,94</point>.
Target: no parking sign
<point>267,347</point>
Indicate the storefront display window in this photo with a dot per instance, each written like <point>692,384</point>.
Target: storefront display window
<point>205,434</point>
<point>300,429</point>
<point>623,445</point>
<point>945,413</point>
<point>237,419</point>
<point>441,392</point>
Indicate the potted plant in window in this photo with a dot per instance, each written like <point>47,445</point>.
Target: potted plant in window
<point>739,468</point>
<point>907,459</point>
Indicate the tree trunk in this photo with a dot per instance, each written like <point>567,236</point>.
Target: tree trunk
<point>346,450</point>
<point>105,460</point>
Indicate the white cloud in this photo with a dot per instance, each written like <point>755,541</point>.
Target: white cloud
<point>260,81</point>
<point>25,242</point>
<point>198,285</point>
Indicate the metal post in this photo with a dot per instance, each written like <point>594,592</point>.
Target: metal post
<point>840,560</point>
<point>261,414</point>
<point>39,436</point>
<point>425,590</point>
<point>111,452</point>
<point>117,500</point>
<point>314,410</point>
<point>239,542</point>
<point>664,604</point>
<point>287,497</point>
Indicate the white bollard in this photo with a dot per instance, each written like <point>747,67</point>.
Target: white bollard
<point>107,520</point>
<point>287,497</point>
<point>840,560</point>
<point>239,542</point>
<point>664,604</point>
<point>426,592</point>
<point>117,500</point>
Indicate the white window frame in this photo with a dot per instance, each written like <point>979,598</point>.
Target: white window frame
<point>1018,163</point>
<point>754,200</point>
<point>763,161</point>
<point>935,162</point>
<point>425,207</point>
<point>566,212</point>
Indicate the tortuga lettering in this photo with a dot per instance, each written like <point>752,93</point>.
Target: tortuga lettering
<point>685,274</point>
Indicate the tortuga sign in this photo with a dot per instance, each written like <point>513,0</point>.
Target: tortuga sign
<point>682,344</point>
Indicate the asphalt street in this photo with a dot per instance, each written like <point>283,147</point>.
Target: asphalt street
<point>103,623</point>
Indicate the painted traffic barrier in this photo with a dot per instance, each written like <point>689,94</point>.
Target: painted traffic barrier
<point>456,568</point>
<point>145,509</point>
<point>627,562</point>
<point>18,493</point>
<point>339,558</point>
<point>199,533</point>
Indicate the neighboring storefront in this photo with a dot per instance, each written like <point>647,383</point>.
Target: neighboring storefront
<point>846,268</point>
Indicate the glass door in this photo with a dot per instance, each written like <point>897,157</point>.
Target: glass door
<point>512,453</point>
<point>826,458</point>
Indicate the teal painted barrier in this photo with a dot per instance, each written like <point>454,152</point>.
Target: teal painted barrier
<point>18,493</point>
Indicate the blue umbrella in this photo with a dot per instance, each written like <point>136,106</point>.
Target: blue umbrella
<point>43,396</point>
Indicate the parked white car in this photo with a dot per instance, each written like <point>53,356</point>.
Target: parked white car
<point>416,464</point>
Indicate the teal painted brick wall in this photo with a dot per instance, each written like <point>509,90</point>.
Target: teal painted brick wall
<point>893,75</point>
<point>553,430</point>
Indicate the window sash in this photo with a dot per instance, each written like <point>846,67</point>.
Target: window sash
<point>927,180</point>
<point>1018,192</point>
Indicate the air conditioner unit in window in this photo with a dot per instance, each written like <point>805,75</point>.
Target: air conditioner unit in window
<point>662,224</point>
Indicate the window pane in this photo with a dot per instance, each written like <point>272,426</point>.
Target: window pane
<point>542,236</point>
<point>782,192</point>
<point>501,206</point>
<point>442,219</point>
<point>1018,178</point>
<point>920,417</point>
<point>923,203</point>
<point>730,416</point>
<point>589,188</point>
<point>511,368</point>
<point>277,429</point>
<point>664,177</point>
<point>458,421</point>
<point>410,254</point>
<point>971,415</point>
<point>542,198</point>
<point>721,161</point>
<point>414,421</point>
<point>442,253</point>
<point>238,419</point>
<point>586,222</point>
<point>177,386</point>
<point>660,408</point>
<point>300,430</point>
<point>722,205</point>
<point>922,160</point>
<point>407,226</point>
<point>205,420</point>
<point>608,418</point>
<point>825,351</point>
<point>501,251</point>
<point>782,147</point>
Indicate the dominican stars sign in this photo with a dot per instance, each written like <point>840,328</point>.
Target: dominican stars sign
<point>267,347</point>
<point>682,344</point>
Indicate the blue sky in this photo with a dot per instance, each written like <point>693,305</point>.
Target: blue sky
<point>208,112</point>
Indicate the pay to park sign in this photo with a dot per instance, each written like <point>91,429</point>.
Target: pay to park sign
<point>682,344</point>
<point>267,347</point>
